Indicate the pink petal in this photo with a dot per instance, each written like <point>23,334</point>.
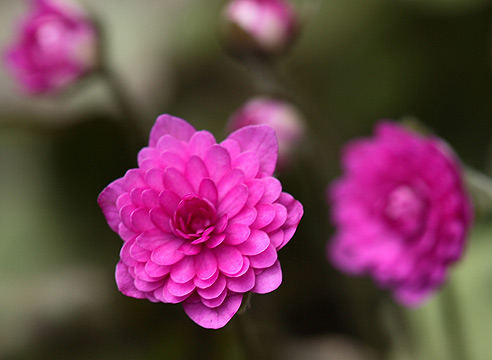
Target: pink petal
<point>155,270</point>
<point>164,295</point>
<point>202,284</point>
<point>233,201</point>
<point>268,280</point>
<point>171,159</point>
<point>218,162</point>
<point>279,220</point>
<point>236,234</point>
<point>256,188</point>
<point>125,254</point>
<point>136,197</point>
<point>200,142</point>
<point>150,198</point>
<point>215,240</point>
<point>141,220</point>
<point>125,216</point>
<point>214,290</point>
<point>243,283</point>
<point>208,191</point>
<point>213,318</point>
<point>232,146</point>
<point>247,216</point>
<point>183,271</point>
<point>169,202</point>
<point>147,286</point>
<point>148,158</point>
<point>167,124</point>
<point>141,273</point>
<point>107,202</point>
<point>205,264</point>
<point>229,181</point>
<point>125,282</point>
<point>160,219</point>
<point>195,171</point>
<point>216,301</point>
<point>249,163</point>
<point>265,213</point>
<point>273,189</point>
<point>261,140</point>
<point>154,179</point>
<point>138,253</point>
<point>176,182</point>
<point>265,259</point>
<point>229,259</point>
<point>168,253</point>
<point>178,289</point>
<point>257,242</point>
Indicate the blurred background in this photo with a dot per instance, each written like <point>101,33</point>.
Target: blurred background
<point>353,63</point>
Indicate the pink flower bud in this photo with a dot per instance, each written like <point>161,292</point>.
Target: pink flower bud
<point>56,45</point>
<point>265,27</point>
<point>283,117</point>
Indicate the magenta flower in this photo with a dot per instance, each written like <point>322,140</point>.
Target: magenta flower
<point>56,45</point>
<point>283,117</point>
<point>401,210</point>
<point>201,222</point>
<point>267,27</point>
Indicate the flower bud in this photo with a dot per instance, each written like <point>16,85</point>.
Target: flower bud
<point>57,44</point>
<point>259,27</point>
<point>283,117</point>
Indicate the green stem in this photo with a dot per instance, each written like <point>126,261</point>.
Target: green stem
<point>453,324</point>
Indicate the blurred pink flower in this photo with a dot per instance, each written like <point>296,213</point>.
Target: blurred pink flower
<point>56,45</point>
<point>201,222</point>
<point>283,117</point>
<point>401,210</point>
<point>266,27</point>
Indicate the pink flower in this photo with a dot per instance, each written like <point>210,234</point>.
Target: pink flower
<point>401,210</point>
<point>56,45</point>
<point>283,117</point>
<point>267,27</point>
<point>201,222</point>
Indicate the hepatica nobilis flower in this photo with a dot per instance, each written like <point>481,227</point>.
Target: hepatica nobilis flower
<point>56,45</point>
<point>201,222</point>
<point>401,211</point>
<point>282,116</point>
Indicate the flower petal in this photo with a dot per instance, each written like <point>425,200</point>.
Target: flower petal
<point>236,234</point>
<point>213,318</point>
<point>205,264</point>
<point>256,243</point>
<point>261,140</point>
<point>170,125</point>
<point>229,259</point>
<point>214,290</point>
<point>183,271</point>
<point>218,162</point>
<point>265,213</point>
<point>200,142</point>
<point>208,190</point>
<point>195,171</point>
<point>125,282</point>
<point>249,163</point>
<point>168,253</point>
<point>268,280</point>
<point>243,283</point>
<point>234,201</point>
<point>176,182</point>
<point>265,259</point>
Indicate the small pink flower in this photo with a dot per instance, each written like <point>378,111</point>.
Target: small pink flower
<point>401,210</point>
<point>283,117</point>
<point>267,27</point>
<point>201,222</point>
<point>56,45</point>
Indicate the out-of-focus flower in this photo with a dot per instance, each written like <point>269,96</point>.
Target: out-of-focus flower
<point>401,210</point>
<point>264,27</point>
<point>57,43</point>
<point>283,117</point>
<point>201,222</point>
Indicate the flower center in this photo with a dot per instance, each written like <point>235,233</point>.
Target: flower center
<point>405,211</point>
<point>194,219</point>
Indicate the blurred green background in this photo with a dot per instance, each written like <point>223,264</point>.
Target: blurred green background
<point>355,61</point>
